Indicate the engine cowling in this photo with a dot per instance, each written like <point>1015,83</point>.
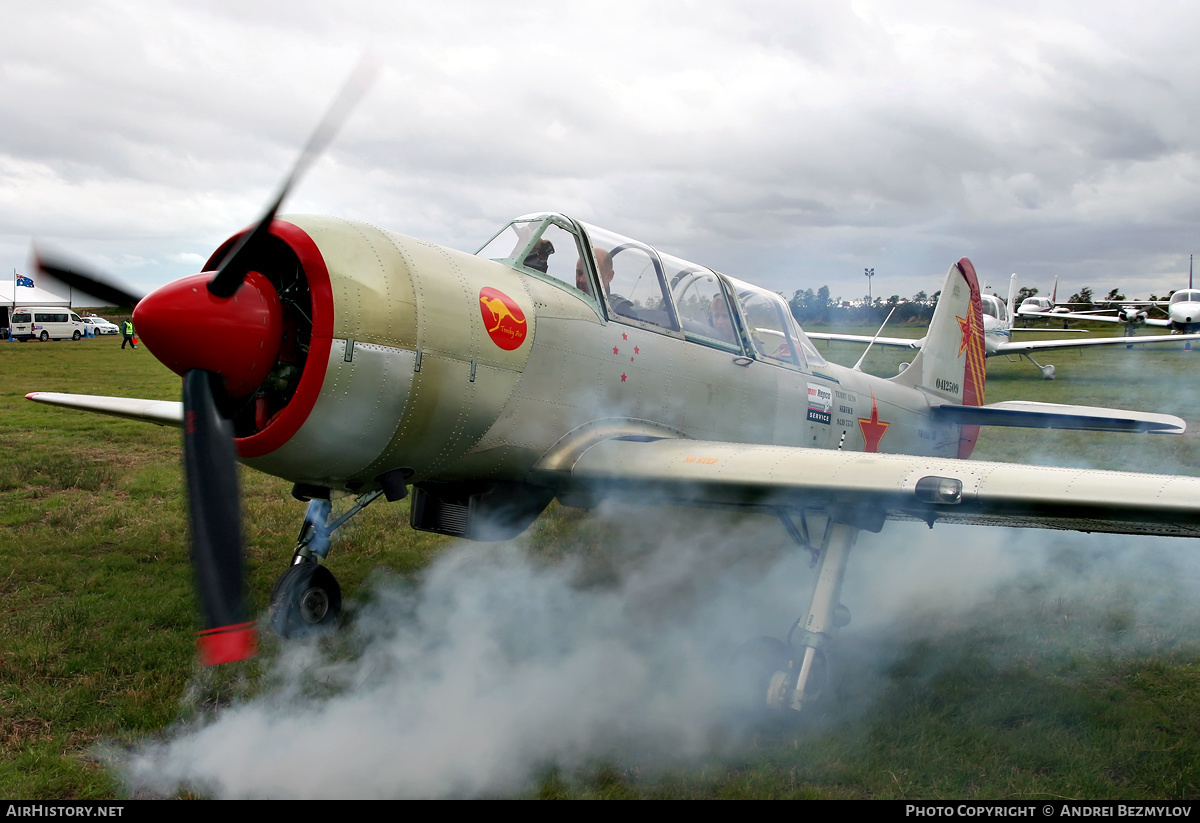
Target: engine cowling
<point>385,358</point>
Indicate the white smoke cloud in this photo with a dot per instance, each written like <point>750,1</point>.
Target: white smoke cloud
<point>497,665</point>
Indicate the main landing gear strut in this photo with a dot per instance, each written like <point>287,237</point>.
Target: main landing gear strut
<point>789,675</point>
<point>307,598</point>
<point>1047,371</point>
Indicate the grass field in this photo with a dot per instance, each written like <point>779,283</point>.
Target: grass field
<point>981,663</point>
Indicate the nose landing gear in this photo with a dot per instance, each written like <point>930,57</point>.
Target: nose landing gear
<point>307,598</point>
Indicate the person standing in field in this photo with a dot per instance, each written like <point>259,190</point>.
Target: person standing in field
<point>127,328</point>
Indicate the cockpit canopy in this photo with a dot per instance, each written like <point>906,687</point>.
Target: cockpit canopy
<point>1185,296</point>
<point>630,282</point>
<point>993,306</point>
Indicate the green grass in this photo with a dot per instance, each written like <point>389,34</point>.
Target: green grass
<point>1035,692</point>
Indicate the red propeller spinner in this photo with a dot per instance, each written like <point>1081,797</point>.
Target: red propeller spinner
<point>238,337</point>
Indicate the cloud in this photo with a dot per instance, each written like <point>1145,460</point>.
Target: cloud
<point>790,146</point>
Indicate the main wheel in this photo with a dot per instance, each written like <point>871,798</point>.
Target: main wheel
<point>752,670</point>
<point>305,599</point>
<point>45,336</point>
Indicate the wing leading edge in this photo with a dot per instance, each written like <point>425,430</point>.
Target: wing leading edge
<point>162,412</point>
<point>864,489</point>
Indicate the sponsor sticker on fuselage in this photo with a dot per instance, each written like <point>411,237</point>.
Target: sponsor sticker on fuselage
<point>820,402</point>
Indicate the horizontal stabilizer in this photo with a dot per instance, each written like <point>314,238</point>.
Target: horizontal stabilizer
<point>1031,415</point>
<point>162,412</point>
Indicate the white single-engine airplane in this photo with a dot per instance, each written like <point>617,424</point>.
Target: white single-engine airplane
<point>998,330</point>
<point>564,360</point>
<point>1182,310</point>
<point>1035,307</point>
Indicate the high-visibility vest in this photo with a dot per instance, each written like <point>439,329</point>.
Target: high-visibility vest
<point>129,328</point>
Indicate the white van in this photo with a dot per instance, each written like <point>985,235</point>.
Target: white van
<point>46,324</point>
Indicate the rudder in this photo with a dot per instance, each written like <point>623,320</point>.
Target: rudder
<point>951,363</point>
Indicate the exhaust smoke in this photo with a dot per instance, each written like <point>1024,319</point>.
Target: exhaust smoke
<point>498,664</point>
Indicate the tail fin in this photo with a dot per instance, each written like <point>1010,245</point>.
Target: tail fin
<point>950,365</point>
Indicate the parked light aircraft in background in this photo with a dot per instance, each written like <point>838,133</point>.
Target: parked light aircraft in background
<point>998,329</point>
<point>567,361</point>
<point>1182,309</point>
<point>1033,308</point>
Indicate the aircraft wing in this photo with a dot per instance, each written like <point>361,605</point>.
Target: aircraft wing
<point>899,342</point>
<point>161,412</point>
<point>1101,318</point>
<point>1131,340</point>
<point>864,489</point>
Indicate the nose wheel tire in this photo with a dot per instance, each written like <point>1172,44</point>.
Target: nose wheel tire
<point>305,599</point>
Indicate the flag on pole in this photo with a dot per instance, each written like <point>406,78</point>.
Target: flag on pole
<point>22,280</point>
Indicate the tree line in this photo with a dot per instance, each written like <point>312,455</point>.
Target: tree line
<point>818,308</point>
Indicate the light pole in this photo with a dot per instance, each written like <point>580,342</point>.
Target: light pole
<point>869,273</point>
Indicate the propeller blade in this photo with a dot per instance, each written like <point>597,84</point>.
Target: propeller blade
<point>213,502</point>
<point>236,264</point>
<point>81,278</point>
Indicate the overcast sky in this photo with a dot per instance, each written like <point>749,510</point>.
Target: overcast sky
<point>792,144</point>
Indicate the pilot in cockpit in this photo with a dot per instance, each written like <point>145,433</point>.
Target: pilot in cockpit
<point>603,265</point>
<point>581,279</point>
<point>538,258</point>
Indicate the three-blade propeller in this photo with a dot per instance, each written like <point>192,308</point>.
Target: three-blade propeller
<point>210,457</point>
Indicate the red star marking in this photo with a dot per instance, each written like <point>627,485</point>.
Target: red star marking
<point>964,323</point>
<point>624,336</point>
<point>872,430</point>
<point>622,378</point>
<point>636,350</point>
<point>615,350</point>
<point>631,360</point>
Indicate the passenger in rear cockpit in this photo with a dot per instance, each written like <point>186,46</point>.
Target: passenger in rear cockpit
<point>721,321</point>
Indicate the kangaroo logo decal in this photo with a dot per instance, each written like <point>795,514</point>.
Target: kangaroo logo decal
<point>503,318</point>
